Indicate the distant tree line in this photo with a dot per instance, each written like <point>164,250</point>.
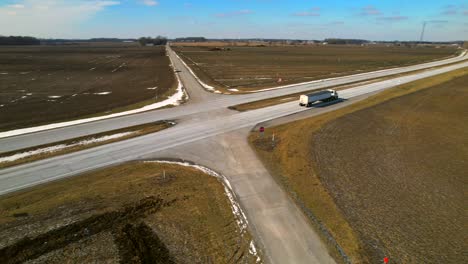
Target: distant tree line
<point>191,39</point>
<point>346,41</point>
<point>19,40</point>
<point>159,40</point>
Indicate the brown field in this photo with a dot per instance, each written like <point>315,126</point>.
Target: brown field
<point>227,44</point>
<point>250,68</point>
<point>136,131</point>
<point>43,84</point>
<point>132,213</point>
<point>384,176</point>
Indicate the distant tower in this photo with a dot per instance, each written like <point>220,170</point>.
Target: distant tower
<point>422,32</point>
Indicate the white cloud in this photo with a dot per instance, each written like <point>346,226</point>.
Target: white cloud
<point>150,2</point>
<point>48,18</point>
<point>16,6</point>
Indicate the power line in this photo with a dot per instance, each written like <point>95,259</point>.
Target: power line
<point>422,32</point>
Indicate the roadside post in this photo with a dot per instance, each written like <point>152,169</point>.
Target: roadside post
<point>262,130</point>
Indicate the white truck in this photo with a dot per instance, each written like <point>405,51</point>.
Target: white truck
<point>324,96</point>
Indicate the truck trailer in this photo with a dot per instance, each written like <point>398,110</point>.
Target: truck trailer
<point>324,96</point>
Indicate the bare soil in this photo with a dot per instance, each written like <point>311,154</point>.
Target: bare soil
<point>132,213</point>
<point>43,84</point>
<point>251,68</point>
<point>397,172</point>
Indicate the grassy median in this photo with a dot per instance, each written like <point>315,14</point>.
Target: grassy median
<point>133,131</point>
<point>368,213</point>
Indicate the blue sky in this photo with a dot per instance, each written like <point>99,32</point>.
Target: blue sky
<point>367,19</point>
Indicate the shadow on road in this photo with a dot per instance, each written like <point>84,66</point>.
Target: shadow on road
<point>325,104</point>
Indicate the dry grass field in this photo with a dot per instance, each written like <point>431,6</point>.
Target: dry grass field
<point>133,213</point>
<point>385,176</point>
<point>43,84</point>
<point>250,68</point>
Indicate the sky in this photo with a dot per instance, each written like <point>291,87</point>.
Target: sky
<point>446,20</point>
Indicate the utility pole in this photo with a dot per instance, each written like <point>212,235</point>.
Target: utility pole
<point>422,32</point>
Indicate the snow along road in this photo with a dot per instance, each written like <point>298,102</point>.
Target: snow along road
<point>194,128</point>
<point>200,102</point>
<point>286,234</point>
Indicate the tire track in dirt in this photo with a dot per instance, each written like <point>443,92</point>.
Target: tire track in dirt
<point>142,245</point>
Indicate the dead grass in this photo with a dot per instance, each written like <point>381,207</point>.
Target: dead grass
<point>293,162</point>
<point>183,208</point>
<point>77,74</point>
<point>251,68</point>
<point>139,130</point>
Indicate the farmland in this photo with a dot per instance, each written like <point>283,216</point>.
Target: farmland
<point>385,175</point>
<point>132,213</point>
<point>43,84</point>
<point>250,68</point>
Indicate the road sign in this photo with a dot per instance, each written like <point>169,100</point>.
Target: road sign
<point>262,129</point>
<point>385,260</point>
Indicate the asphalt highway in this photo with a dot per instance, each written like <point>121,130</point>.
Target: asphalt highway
<point>18,177</point>
<point>207,132</point>
<point>200,102</point>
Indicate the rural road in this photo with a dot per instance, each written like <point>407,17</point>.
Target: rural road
<point>194,127</point>
<point>276,221</point>
<point>200,101</point>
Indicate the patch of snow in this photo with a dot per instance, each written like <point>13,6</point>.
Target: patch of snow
<point>28,94</point>
<point>233,90</point>
<point>120,66</point>
<point>2,105</point>
<point>152,88</point>
<point>103,138</point>
<point>206,86</point>
<point>175,99</point>
<point>31,153</point>
<point>92,69</point>
<point>24,96</point>
<point>54,96</point>
<point>24,73</point>
<point>102,93</point>
<point>62,146</point>
<point>241,219</point>
<point>253,251</point>
<point>33,79</point>
<point>3,73</point>
<point>217,92</point>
